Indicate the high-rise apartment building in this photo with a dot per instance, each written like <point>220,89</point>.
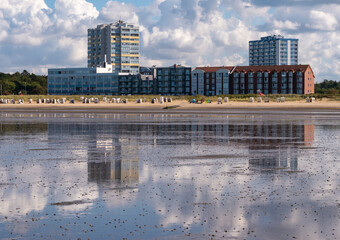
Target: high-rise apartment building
<point>115,43</point>
<point>273,50</point>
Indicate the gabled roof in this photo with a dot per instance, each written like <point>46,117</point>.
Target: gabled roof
<point>275,68</point>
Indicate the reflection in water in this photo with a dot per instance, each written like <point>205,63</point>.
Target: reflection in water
<point>276,146</point>
<point>113,161</point>
<point>153,176</point>
<point>110,155</point>
<point>113,150</point>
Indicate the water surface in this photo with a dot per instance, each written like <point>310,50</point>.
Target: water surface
<point>163,176</point>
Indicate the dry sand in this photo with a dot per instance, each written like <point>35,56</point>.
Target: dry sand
<point>180,106</point>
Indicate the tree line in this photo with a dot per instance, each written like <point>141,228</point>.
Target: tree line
<point>30,84</point>
<point>330,87</point>
<point>22,83</point>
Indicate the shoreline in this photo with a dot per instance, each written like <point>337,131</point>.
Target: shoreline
<point>180,107</point>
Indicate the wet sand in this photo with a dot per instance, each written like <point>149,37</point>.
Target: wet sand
<point>168,176</point>
<point>182,106</point>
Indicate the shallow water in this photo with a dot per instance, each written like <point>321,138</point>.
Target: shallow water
<point>159,176</point>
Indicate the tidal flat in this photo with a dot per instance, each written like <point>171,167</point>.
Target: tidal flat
<point>169,176</point>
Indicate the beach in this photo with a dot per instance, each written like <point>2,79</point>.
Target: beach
<point>180,106</point>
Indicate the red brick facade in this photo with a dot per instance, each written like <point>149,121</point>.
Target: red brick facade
<point>280,79</point>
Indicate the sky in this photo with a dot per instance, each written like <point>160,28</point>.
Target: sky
<point>39,34</point>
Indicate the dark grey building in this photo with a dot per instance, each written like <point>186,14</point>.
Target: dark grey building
<point>136,84</point>
<point>174,80</point>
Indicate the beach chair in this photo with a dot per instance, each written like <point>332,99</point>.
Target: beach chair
<point>219,100</point>
<point>226,99</point>
<point>251,99</point>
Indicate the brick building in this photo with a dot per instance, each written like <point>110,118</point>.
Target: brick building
<point>279,79</point>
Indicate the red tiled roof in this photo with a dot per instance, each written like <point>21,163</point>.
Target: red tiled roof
<point>214,69</point>
<point>277,68</point>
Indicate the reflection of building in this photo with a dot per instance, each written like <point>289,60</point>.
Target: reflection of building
<point>113,149</point>
<point>269,157</point>
<point>110,155</point>
<point>277,145</point>
<point>116,161</point>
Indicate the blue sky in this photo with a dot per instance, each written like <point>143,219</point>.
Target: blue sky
<point>187,32</point>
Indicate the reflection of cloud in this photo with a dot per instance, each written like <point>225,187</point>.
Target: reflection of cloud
<point>73,187</point>
<point>120,197</point>
<point>19,199</point>
<point>221,192</point>
<point>201,183</point>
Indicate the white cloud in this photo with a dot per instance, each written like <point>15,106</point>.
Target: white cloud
<point>286,25</point>
<point>190,32</point>
<point>114,11</point>
<point>322,21</point>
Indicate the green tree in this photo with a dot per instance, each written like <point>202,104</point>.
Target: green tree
<point>328,87</point>
<point>23,82</point>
